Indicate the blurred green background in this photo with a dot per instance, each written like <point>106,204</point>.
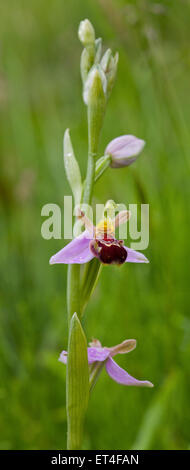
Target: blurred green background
<point>40,95</point>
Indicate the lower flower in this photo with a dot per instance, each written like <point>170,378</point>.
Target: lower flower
<point>103,355</point>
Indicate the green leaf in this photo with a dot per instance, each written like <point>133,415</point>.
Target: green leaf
<point>90,278</point>
<point>72,168</point>
<point>77,392</point>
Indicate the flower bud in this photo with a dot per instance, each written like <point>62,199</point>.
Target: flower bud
<point>96,82</point>
<point>112,72</point>
<point>95,98</point>
<point>105,61</point>
<point>109,66</point>
<point>86,62</point>
<point>86,32</point>
<point>98,50</point>
<point>124,150</point>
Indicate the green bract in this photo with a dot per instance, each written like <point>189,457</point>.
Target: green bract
<point>101,165</point>
<point>72,168</point>
<point>77,393</point>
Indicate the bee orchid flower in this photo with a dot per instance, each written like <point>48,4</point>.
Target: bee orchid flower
<point>99,242</point>
<point>98,355</point>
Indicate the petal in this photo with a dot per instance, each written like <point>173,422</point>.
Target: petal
<point>94,355</point>
<point>122,218</point>
<point>97,354</point>
<point>122,377</point>
<point>135,256</point>
<point>121,162</point>
<point>125,146</point>
<point>77,251</point>
<point>63,357</point>
<point>123,348</point>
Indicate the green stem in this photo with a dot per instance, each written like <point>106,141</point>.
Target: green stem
<point>73,278</point>
<point>88,189</point>
<point>92,154</point>
<point>73,290</point>
<point>95,372</point>
<point>89,280</point>
<point>96,110</point>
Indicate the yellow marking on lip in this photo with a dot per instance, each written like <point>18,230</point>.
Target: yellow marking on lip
<point>105,226</point>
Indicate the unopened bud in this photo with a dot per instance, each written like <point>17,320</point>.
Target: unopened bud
<point>106,61</point>
<point>86,32</point>
<point>95,98</point>
<point>95,84</point>
<point>112,72</point>
<point>98,50</point>
<point>109,66</point>
<point>124,150</point>
<point>86,63</point>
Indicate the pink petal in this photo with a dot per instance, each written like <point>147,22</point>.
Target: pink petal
<point>63,357</point>
<point>98,354</point>
<point>135,256</point>
<point>77,251</point>
<point>94,355</point>
<point>125,146</point>
<point>122,377</point>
